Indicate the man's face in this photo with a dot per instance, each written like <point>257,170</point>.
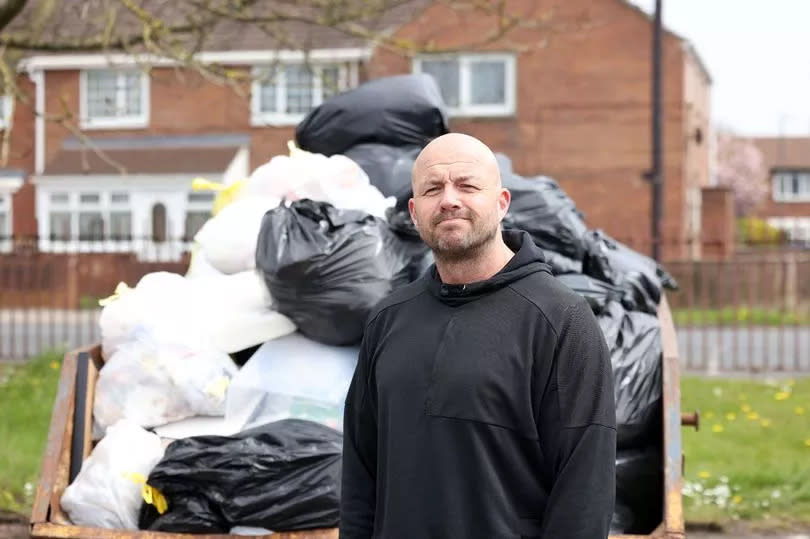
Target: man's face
<point>457,205</point>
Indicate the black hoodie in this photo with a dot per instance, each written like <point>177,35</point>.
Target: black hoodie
<point>481,411</point>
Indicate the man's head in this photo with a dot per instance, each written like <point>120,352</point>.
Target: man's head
<point>458,201</point>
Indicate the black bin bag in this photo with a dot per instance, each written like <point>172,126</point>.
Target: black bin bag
<point>281,476</point>
<point>638,275</point>
<point>399,111</point>
<point>388,168</point>
<point>634,340</point>
<point>540,207</point>
<point>597,293</point>
<point>327,268</point>
<point>639,490</point>
<point>418,255</point>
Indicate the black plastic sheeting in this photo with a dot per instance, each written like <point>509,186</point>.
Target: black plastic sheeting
<point>634,340</point>
<point>597,293</point>
<point>543,210</point>
<point>280,476</point>
<point>327,268</point>
<point>388,168</point>
<point>399,111</point>
<point>561,264</point>
<point>638,275</point>
<point>639,490</point>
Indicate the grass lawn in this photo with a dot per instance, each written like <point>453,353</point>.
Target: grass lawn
<point>742,316</point>
<point>27,393</point>
<point>751,458</point>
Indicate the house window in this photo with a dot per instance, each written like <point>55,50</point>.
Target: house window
<point>197,212</point>
<point>473,84</point>
<point>120,228</point>
<point>96,216</point>
<point>791,186</point>
<point>284,94</point>
<point>60,225</point>
<point>114,98</point>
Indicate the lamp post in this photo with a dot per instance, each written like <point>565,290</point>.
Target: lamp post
<point>656,175</point>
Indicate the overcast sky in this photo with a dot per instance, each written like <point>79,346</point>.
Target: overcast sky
<point>758,53</point>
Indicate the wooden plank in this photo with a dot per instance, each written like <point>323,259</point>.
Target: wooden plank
<point>92,376</point>
<point>673,482</point>
<point>59,418</point>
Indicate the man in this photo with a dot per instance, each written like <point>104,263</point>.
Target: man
<point>482,404</point>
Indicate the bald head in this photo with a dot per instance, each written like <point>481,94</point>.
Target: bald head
<point>456,149</point>
<point>458,201</point>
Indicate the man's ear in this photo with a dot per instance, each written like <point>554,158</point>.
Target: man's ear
<point>504,198</point>
<point>413,214</point>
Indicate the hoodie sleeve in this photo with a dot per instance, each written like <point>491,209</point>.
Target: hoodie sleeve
<point>579,418</point>
<point>358,491</point>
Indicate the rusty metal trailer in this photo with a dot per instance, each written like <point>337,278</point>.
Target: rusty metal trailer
<point>70,435</point>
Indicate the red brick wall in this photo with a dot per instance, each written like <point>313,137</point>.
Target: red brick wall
<point>21,156</point>
<point>717,216</point>
<point>181,103</point>
<point>583,114</point>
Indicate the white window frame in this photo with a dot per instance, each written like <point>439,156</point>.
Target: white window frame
<point>780,194</point>
<point>6,206</point>
<point>197,206</point>
<point>466,108</point>
<point>346,79</point>
<point>74,207</point>
<point>118,122</point>
<point>7,103</point>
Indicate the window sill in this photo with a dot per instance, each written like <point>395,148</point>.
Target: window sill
<point>473,113</point>
<point>276,120</point>
<point>114,123</point>
<point>796,200</point>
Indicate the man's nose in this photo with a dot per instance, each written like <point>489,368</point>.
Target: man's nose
<point>450,198</point>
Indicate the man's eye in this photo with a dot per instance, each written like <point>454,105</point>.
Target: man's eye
<point>431,190</point>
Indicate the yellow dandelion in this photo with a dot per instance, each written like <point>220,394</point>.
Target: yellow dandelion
<point>709,415</point>
<point>807,442</point>
<point>781,395</point>
<point>737,500</point>
<point>799,410</point>
<point>54,365</point>
<point>765,422</point>
<point>703,474</point>
<point>753,416</point>
<point>731,416</point>
<point>745,408</point>
<point>717,428</point>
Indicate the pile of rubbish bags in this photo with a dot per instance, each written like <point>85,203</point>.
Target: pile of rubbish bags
<point>244,362</point>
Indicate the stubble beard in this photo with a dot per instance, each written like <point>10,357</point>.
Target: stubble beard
<point>468,246</point>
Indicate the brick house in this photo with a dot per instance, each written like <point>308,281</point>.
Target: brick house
<point>571,101</point>
<point>787,160</point>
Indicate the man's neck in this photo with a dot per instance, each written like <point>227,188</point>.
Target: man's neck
<point>481,267</point>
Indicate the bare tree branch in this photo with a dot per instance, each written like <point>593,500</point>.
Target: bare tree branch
<point>9,11</point>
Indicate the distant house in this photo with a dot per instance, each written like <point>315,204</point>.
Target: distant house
<point>788,163</point>
<point>571,101</point>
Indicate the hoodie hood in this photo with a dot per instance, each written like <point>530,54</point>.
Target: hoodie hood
<point>528,259</point>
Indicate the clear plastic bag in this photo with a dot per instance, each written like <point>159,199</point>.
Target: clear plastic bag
<point>107,491</point>
<point>153,383</point>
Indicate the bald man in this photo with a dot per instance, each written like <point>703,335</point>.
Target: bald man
<point>482,404</point>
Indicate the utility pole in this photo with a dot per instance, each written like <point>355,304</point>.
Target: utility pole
<point>656,175</point>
